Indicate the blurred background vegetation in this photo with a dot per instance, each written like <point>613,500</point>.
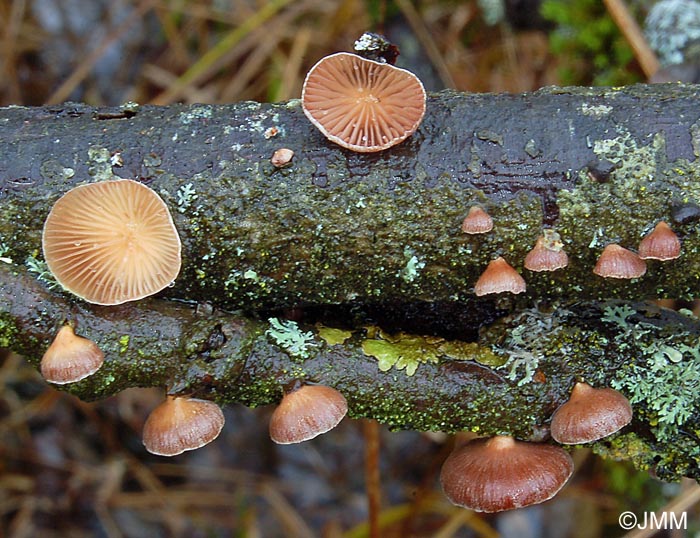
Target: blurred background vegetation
<point>75,469</point>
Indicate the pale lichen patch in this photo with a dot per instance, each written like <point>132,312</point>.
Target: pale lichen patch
<point>665,380</point>
<point>99,163</point>
<point>633,161</point>
<point>41,270</point>
<point>595,111</point>
<point>288,335</point>
<point>195,113</point>
<point>413,266</point>
<point>186,194</point>
<point>4,249</point>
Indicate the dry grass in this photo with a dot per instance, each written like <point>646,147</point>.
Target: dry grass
<point>162,51</point>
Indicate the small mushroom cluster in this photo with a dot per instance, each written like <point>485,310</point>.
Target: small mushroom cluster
<point>502,473</point>
<point>108,243</point>
<point>499,276</point>
<point>548,255</point>
<point>115,241</point>
<point>618,262</point>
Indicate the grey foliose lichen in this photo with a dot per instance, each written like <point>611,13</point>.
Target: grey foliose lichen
<point>672,28</point>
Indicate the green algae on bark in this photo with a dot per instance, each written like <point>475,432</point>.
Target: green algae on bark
<point>194,349</point>
<point>336,226</point>
<point>384,229</point>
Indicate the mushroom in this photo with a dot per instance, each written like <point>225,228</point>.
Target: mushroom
<point>111,242</point>
<point>590,414</point>
<point>660,244</point>
<point>618,262</point>
<point>70,358</point>
<point>281,157</point>
<point>501,473</point>
<point>361,104</point>
<point>499,277</point>
<point>547,254</point>
<point>477,221</point>
<point>306,413</point>
<point>181,423</point>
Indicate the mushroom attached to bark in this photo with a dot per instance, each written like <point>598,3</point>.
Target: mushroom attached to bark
<point>660,244</point>
<point>590,414</point>
<point>70,358</point>
<point>306,413</point>
<point>112,241</point>
<point>547,254</point>
<point>499,277</point>
<point>477,221</point>
<point>181,423</point>
<point>501,473</point>
<point>618,262</point>
<point>281,157</point>
<point>362,105</point>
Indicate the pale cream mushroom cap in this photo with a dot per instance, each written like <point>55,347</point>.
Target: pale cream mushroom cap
<point>111,242</point>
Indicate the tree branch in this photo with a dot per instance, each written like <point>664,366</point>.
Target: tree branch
<point>378,236</point>
<point>511,380</point>
<point>598,165</point>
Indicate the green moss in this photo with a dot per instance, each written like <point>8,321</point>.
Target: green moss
<point>402,351</point>
<point>407,351</point>
<point>333,337</point>
<point>8,330</point>
<point>123,343</point>
<point>627,447</point>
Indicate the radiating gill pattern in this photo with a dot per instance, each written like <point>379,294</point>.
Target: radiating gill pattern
<point>362,104</point>
<point>112,242</point>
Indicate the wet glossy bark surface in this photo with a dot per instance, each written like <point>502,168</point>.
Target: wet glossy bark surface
<point>597,165</point>
<point>379,234</point>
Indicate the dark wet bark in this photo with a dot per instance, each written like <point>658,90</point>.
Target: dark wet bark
<point>454,386</point>
<point>380,236</point>
<point>597,165</point>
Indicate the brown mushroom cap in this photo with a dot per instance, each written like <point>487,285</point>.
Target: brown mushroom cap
<point>547,254</point>
<point>361,104</point>
<point>500,473</point>
<point>590,414</point>
<point>180,424</point>
<point>70,358</point>
<point>618,262</point>
<point>111,242</point>
<point>660,244</point>
<point>477,221</point>
<point>499,277</point>
<point>306,413</point>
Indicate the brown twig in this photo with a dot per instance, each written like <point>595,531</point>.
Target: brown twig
<point>634,36</point>
<point>372,477</point>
